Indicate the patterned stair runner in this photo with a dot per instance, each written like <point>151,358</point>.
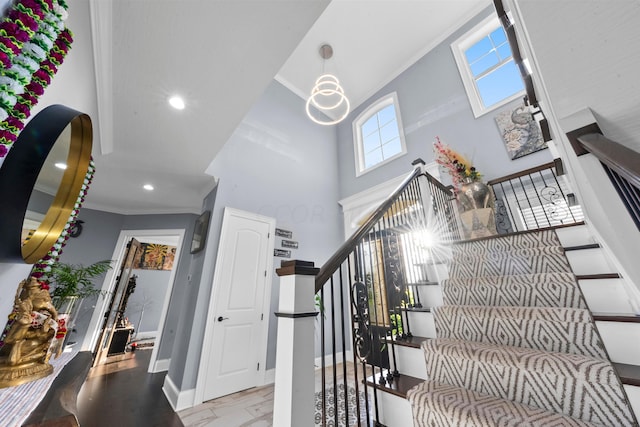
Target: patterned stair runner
<point>458,406</point>
<point>531,290</point>
<point>516,345</point>
<point>566,330</point>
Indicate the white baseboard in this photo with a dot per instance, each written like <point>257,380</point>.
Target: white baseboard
<point>270,376</point>
<point>161,365</point>
<point>328,361</point>
<point>145,335</point>
<point>178,400</point>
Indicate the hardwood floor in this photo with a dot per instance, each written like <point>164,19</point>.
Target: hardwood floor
<point>124,394</point>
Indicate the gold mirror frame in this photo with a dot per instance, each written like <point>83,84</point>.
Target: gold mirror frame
<point>19,173</point>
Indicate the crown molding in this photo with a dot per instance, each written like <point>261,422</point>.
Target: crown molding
<point>101,12</point>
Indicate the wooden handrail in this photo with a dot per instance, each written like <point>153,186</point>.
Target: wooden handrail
<point>347,247</point>
<point>441,186</point>
<point>623,160</point>
<point>522,173</point>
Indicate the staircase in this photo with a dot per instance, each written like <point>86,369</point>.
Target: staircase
<point>530,328</point>
<point>515,343</point>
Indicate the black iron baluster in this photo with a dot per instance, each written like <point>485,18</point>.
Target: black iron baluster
<point>374,316</point>
<point>564,197</point>
<point>533,213</point>
<point>322,360</point>
<point>524,190</point>
<point>512,217</point>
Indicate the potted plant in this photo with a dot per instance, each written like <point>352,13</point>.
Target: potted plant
<point>76,280</point>
<point>73,282</point>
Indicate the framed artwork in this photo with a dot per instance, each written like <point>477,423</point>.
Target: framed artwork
<point>200,232</point>
<point>520,132</point>
<point>155,256</point>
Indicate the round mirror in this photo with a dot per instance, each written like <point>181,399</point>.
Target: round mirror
<point>31,182</point>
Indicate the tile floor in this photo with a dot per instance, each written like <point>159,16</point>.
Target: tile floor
<point>249,408</point>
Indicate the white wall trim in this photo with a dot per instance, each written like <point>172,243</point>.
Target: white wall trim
<point>269,376</point>
<point>161,365</point>
<point>101,12</point>
<point>145,335</point>
<point>178,400</point>
<point>207,342</point>
<point>359,205</point>
<point>329,359</point>
<point>109,283</point>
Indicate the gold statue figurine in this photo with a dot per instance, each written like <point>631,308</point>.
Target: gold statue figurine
<point>26,348</point>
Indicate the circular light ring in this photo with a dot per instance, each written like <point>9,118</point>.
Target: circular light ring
<point>327,86</point>
<point>20,171</point>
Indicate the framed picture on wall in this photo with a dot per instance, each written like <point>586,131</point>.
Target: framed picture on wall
<point>520,132</point>
<point>200,232</point>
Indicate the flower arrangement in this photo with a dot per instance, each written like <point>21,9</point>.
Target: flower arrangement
<point>457,165</point>
<point>33,44</point>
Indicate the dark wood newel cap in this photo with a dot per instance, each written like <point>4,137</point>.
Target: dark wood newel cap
<point>295,266</point>
<point>418,161</point>
<point>575,134</point>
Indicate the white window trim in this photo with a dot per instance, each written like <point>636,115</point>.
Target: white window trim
<point>458,48</point>
<point>389,99</point>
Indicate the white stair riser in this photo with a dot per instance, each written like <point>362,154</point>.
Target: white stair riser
<point>411,361</point>
<point>574,236</point>
<point>589,261</point>
<point>633,393</point>
<point>606,295</point>
<point>422,324</point>
<point>622,341</point>
<point>430,296</point>
<point>437,272</point>
<point>394,411</point>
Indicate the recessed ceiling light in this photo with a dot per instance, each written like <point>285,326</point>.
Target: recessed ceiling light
<point>60,165</point>
<point>176,102</point>
<point>148,187</point>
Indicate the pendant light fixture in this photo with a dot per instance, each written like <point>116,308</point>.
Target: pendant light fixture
<point>327,104</point>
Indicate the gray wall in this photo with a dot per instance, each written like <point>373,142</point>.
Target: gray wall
<point>147,299</point>
<point>279,164</point>
<point>433,103</point>
<point>97,242</point>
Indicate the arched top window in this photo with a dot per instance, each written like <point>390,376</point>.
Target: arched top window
<point>378,135</point>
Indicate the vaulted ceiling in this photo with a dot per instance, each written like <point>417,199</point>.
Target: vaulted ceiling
<point>129,56</point>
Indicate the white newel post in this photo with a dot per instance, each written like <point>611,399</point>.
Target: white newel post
<point>293,399</point>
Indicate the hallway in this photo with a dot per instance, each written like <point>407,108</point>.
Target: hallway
<point>124,394</point>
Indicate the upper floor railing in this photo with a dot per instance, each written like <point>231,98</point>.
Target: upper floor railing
<point>621,164</point>
<point>534,198</point>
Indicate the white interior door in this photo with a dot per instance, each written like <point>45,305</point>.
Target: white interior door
<point>241,287</point>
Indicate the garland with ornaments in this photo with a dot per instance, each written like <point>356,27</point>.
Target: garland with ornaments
<point>42,268</point>
<point>33,44</point>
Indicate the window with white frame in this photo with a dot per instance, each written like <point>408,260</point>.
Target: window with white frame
<point>377,134</point>
<point>491,77</point>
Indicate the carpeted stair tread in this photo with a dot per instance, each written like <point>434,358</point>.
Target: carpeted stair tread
<point>578,386</point>
<point>522,261</point>
<point>442,405</point>
<point>534,290</point>
<point>508,243</point>
<point>514,332</point>
<point>554,329</point>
